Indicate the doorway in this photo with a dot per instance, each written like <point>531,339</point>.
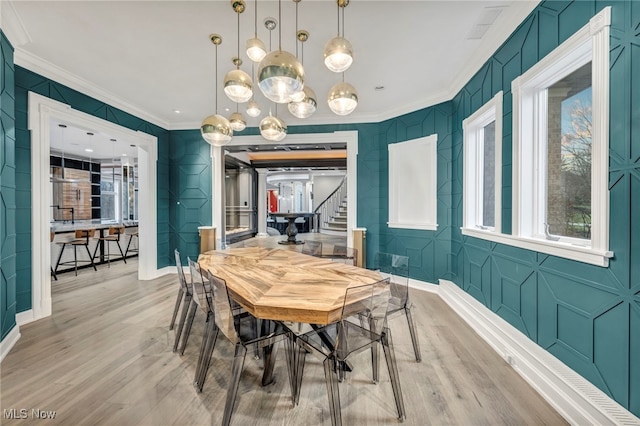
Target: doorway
<point>42,112</point>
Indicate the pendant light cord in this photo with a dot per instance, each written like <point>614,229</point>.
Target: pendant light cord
<point>255,22</point>
<point>238,66</point>
<point>280,25</point>
<point>216,60</point>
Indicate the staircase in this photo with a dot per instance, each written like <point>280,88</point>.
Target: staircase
<point>332,212</point>
<point>337,223</point>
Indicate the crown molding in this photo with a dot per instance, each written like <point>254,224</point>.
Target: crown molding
<point>12,25</point>
<point>47,69</point>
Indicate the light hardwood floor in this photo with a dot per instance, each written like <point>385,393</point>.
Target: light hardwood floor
<point>104,357</point>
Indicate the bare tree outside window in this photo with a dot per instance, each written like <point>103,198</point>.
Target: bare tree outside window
<point>569,155</point>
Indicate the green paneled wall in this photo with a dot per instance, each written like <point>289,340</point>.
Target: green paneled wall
<point>26,81</point>
<point>587,316</point>
<point>7,190</point>
<point>189,191</point>
<point>428,251</point>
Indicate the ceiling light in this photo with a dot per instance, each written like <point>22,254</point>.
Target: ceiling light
<point>338,52</point>
<point>280,75</point>
<point>237,83</point>
<point>216,129</point>
<point>256,50</point>
<point>307,106</point>
<point>177,111</point>
<point>343,98</point>
<point>273,129</point>
<point>253,109</point>
<point>237,122</point>
<point>88,150</point>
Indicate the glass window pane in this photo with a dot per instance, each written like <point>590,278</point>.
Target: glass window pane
<point>489,176</point>
<point>569,155</point>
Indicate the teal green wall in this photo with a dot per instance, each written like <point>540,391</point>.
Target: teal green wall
<point>587,316</point>
<point>7,190</point>
<point>26,81</point>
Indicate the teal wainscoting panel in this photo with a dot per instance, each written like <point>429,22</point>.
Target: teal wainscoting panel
<point>26,81</point>
<point>190,190</point>
<point>587,316</point>
<point>8,257</point>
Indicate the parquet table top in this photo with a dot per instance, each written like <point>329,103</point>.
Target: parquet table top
<point>285,285</point>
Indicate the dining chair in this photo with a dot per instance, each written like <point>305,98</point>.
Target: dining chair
<point>52,236</point>
<point>240,330</point>
<point>200,297</point>
<point>336,343</point>
<point>344,254</point>
<point>312,248</point>
<point>185,296</point>
<point>203,299</point>
<point>132,232</point>
<point>397,267</point>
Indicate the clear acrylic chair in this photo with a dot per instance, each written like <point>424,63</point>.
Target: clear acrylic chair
<point>241,331</point>
<point>336,343</point>
<point>397,267</point>
<point>344,254</point>
<point>184,297</point>
<point>202,296</point>
<point>312,248</point>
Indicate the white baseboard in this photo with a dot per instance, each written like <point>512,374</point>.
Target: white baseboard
<point>424,286</point>
<point>9,341</point>
<point>166,271</point>
<point>25,317</point>
<point>575,398</point>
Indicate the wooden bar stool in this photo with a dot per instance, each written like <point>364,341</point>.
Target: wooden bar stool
<point>82,237</point>
<point>132,234</point>
<point>113,235</point>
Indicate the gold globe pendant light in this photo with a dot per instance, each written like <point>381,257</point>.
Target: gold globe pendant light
<point>307,106</point>
<point>237,83</point>
<point>237,122</point>
<point>273,129</point>
<point>343,98</point>
<point>280,75</point>
<point>253,109</point>
<point>338,52</point>
<point>216,129</point>
<point>256,51</point>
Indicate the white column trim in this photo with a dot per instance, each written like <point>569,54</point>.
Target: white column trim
<point>262,203</point>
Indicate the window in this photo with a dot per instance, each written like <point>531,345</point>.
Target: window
<point>413,184</point>
<point>482,168</point>
<point>560,148</point>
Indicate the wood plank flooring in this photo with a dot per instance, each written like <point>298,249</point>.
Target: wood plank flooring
<point>104,358</point>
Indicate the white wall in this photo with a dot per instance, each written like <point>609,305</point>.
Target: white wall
<point>323,186</point>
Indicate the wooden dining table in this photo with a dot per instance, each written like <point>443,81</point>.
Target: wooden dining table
<point>285,285</point>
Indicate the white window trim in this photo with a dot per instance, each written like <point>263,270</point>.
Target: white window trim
<point>425,188</point>
<point>589,43</point>
<point>473,127</point>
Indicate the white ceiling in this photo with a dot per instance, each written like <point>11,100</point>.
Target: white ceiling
<point>153,57</point>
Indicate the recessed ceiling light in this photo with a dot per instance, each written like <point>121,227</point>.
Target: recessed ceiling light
<point>378,88</point>
<point>124,155</point>
<point>177,111</point>
<point>226,109</point>
<point>112,140</point>
<point>132,146</point>
<point>88,150</point>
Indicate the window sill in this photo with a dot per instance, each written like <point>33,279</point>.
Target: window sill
<point>554,248</point>
<point>421,226</point>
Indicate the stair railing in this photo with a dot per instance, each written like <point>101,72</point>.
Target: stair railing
<point>327,209</point>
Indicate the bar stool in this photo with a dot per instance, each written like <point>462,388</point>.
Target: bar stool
<point>131,235</point>
<point>81,239</point>
<point>52,235</point>
<point>113,235</point>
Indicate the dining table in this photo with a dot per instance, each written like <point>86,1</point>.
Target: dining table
<point>285,285</point>
<point>292,229</point>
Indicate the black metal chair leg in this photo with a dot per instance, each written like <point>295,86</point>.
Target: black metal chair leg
<point>124,258</point>
<point>55,271</point>
<point>90,258</point>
